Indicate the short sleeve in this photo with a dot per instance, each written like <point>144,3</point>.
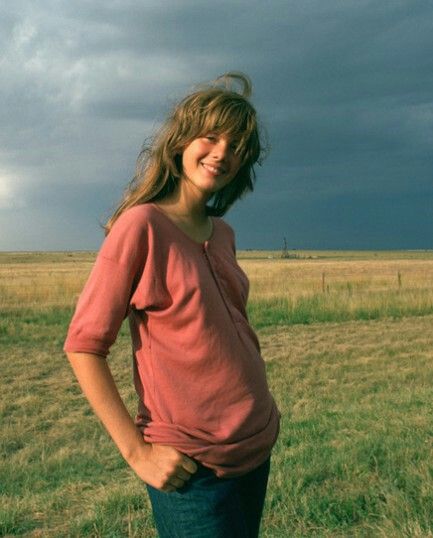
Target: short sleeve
<point>105,299</point>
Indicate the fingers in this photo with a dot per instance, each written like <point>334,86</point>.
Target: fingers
<point>176,482</point>
<point>180,475</point>
<point>171,468</point>
<point>189,465</point>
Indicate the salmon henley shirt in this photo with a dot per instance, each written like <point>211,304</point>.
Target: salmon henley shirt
<point>198,370</point>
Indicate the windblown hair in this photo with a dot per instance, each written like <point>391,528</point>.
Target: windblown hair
<point>215,108</point>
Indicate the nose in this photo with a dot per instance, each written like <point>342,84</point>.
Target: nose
<point>219,150</point>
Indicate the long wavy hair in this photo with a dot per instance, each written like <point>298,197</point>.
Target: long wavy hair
<point>215,108</point>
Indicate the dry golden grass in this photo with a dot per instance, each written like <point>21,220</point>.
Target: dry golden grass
<point>293,278</point>
<point>41,280</point>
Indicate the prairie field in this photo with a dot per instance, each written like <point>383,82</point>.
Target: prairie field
<point>348,343</point>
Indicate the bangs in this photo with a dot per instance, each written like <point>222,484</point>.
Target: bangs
<point>223,113</point>
<point>236,121</point>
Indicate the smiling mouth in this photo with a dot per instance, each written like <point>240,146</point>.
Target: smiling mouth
<point>215,170</point>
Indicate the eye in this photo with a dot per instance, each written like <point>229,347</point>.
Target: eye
<point>211,137</point>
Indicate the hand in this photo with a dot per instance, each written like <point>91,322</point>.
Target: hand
<point>162,466</point>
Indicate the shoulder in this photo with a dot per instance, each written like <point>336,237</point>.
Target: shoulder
<point>136,216</point>
<point>226,233</point>
<point>136,221</point>
<point>224,226</point>
<point>129,233</point>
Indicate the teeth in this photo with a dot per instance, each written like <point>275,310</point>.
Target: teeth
<point>212,169</point>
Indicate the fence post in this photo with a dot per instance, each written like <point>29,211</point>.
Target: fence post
<point>284,252</point>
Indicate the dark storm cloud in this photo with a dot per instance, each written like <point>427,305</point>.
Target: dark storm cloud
<point>344,89</point>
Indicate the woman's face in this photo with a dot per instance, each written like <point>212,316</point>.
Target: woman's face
<point>209,162</point>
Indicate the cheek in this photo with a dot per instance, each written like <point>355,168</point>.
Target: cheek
<point>186,159</point>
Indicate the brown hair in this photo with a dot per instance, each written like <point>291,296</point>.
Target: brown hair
<point>214,108</point>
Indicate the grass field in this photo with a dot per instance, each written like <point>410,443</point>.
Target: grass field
<point>349,358</point>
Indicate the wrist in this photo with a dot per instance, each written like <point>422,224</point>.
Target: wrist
<point>136,452</point>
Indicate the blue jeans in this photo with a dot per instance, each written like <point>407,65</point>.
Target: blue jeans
<point>211,507</point>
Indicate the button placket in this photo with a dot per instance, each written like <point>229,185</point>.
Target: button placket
<point>216,278</point>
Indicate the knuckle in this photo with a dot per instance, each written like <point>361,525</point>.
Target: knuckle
<point>176,458</point>
<point>166,476</point>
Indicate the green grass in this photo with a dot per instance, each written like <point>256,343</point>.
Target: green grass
<point>355,452</point>
<point>324,307</point>
<point>354,457</point>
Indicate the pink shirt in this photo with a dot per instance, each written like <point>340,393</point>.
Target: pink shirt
<point>198,371</point>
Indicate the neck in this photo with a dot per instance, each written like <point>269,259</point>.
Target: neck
<point>184,206</point>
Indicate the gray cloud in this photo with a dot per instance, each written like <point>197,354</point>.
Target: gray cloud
<point>344,89</point>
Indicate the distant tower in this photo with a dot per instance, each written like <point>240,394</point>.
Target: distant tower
<point>285,252</point>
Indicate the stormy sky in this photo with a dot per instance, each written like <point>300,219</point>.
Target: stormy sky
<point>344,89</point>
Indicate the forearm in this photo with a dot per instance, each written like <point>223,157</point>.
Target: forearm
<point>97,384</point>
<point>161,466</point>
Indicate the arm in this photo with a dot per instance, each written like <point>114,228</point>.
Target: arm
<point>163,467</point>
